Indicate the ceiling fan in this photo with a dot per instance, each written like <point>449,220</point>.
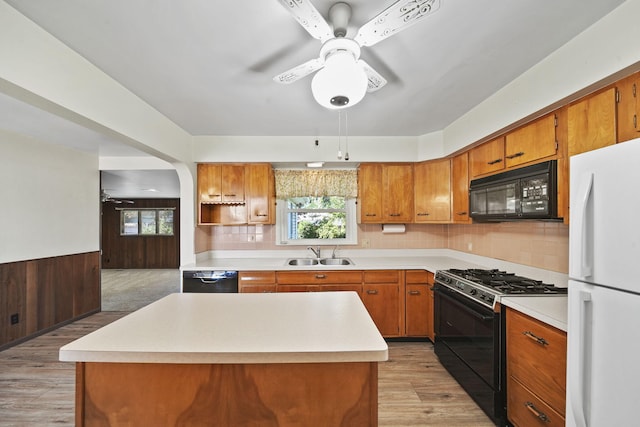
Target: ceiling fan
<point>343,78</point>
<point>104,197</point>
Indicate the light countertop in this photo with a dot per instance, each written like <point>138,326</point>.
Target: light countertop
<point>551,310</point>
<point>238,328</point>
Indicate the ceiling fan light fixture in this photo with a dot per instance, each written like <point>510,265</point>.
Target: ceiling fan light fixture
<point>341,83</point>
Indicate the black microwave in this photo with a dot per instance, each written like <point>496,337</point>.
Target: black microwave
<point>526,193</point>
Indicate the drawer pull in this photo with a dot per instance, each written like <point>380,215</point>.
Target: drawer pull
<point>540,415</point>
<point>394,214</point>
<point>518,154</point>
<point>423,214</point>
<point>370,214</point>
<point>414,292</point>
<point>321,276</point>
<point>372,292</point>
<point>537,339</point>
<point>493,162</point>
<point>461,213</point>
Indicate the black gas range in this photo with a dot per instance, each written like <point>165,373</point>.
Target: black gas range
<point>470,332</point>
<point>486,286</point>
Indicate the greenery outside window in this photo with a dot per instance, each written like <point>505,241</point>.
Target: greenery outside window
<point>146,222</point>
<point>326,220</point>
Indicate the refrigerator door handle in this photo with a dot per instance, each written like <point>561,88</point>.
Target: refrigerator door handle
<point>578,390</point>
<point>583,197</point>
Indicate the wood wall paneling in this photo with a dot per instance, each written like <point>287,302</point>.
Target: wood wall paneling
<point>139,251</point>
<point>47,292</point>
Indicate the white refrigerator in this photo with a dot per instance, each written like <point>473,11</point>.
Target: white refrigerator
<point>603,354</point>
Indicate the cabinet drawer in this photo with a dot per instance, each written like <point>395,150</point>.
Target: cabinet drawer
<point>537,357</point>
<point>253,288</point>
<point>257,277</point>
<point>418,276</point>
<point>382,276</point>
<point>524,409</point>
<point>318,277</point>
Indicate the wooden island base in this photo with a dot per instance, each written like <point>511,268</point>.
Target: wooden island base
<point>284,394</point>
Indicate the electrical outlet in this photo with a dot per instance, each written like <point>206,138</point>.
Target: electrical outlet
<point>15,318</point>
<point>366,243</point>
<point>469,246</point>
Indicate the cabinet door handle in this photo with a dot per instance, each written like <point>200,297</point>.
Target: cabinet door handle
<point>394,214</point>
<point>261,214</point>
<point>540,415</point>
<point>229,195</point>
<point>414,292</point>
<point>461,213</point>
<point>518,154</point>
<point>423,214</point>
<point>493,162</point>
<point>370,214</point>
<point>372,292</point>
<point>214,195</point>
<point>535,338</point>
<point>321,276</point>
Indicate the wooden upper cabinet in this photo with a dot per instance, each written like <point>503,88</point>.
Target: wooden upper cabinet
<point>460,188</point>
<point>592,122</point>
<point>397,193</point>
<point>432,191</point>
<point>628,107</point>
<point>531,142</point>
<point>487,158</point>
<point>220,183</point>
<point>370,192</point>
<point>260,193</point>
<point>385,193</point>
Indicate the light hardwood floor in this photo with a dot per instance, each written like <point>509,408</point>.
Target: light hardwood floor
<point>414,389</point>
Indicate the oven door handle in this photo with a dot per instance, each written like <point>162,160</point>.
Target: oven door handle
<point>464,307</point>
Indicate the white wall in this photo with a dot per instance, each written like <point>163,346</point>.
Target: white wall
<point>602,50</point>
<point>50,200</point>
<point>302,148</point>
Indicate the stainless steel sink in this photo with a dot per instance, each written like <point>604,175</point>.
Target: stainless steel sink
<point>336,261</point>
<point>302,261</point>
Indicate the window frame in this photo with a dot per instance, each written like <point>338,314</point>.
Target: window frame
<point>282,218</point>
<point>139,215</point>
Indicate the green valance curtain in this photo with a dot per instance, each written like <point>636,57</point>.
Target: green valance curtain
<point>302,183</point>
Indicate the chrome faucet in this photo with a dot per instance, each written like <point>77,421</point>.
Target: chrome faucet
<point>315,251</point>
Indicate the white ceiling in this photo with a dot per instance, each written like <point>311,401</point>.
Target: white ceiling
<point>208,65</point>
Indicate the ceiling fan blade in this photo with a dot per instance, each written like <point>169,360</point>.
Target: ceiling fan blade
<point>375,80</point>
<point>302,70</point>
<point>400,15</point>
<point>309,17</point>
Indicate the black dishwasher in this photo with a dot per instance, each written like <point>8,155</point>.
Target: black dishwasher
<point>210,281</point>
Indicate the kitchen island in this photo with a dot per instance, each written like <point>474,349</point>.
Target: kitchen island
<point>232,359</point>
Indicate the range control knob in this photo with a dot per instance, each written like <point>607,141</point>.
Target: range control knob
<point>473,291</point>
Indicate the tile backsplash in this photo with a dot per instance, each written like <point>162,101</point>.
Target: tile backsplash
<point>537,244</point>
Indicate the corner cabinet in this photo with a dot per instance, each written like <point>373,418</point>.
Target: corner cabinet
<point>235,194</point>
<point>432,191</point>
<point>385,193</point>
<point>536,371</point>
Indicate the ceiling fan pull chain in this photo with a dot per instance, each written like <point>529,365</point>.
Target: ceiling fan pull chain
<point>346,135</point>
<point>339,129</point>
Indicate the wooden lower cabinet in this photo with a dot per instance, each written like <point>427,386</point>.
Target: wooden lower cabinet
<point>399,302</point>
<point>381,295</point>
<point>419,304</point>
<point>256,281</point>
<point>536,371</point>
<point>261,394</point>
